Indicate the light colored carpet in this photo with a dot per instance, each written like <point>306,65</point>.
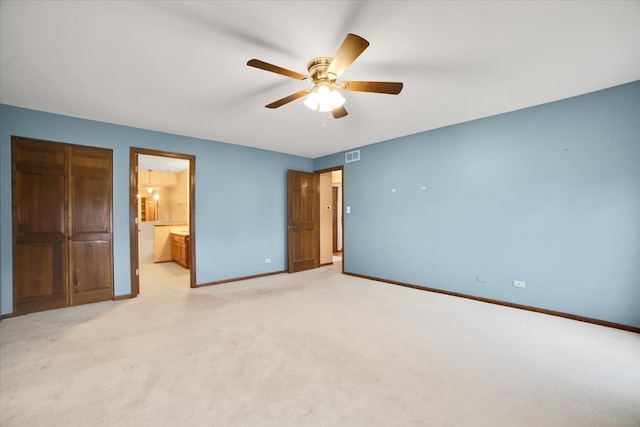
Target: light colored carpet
<point>316,348</point>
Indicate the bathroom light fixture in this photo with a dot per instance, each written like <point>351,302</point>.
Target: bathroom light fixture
<point>149,187</point>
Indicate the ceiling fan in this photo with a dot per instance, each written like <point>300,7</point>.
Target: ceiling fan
<point>324,72</point>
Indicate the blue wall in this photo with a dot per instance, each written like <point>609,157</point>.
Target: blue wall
<point>549,195</point>
<point>240,196</point>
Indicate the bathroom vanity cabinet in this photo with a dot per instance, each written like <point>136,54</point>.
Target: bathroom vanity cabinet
<point>180,248</point>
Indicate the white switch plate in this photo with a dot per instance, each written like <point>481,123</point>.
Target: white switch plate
<point>267,260</point>
<point>482,279</point>
<point>518,284</point>
<point>348,209</point>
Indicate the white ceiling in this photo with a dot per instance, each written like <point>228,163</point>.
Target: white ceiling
<point>180,67</point>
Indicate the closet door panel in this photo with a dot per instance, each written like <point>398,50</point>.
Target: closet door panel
<point>40,267</point>
<point>91,277</point>
<point>39,232</point>
<point>91,254</point>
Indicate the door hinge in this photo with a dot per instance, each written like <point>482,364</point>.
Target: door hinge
<point>137,271</point>
<point>135,220</point>
<point>136,169</point>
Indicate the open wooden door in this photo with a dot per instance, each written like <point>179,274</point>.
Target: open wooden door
<point>303,222</point>
<point>334,219</point>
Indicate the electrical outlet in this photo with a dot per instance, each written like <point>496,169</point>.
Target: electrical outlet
<point>518,284</point>
<point>482,279</point>
<point>267,260</point>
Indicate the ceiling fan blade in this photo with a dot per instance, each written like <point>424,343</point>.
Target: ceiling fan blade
<point>275,69</point>
<point>288,99</point>
<point>351,48</point>
<point>339,112</point>
<point>392,88</point>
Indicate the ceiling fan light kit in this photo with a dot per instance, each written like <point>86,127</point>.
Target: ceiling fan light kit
<point>323,72</point>
<point>324,98</point>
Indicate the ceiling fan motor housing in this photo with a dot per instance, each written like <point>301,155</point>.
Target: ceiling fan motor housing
<point>318,69</point>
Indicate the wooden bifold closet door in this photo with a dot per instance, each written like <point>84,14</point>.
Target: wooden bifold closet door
<point>62,225</point>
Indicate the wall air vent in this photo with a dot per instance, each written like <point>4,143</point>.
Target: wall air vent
<point>352,156</point>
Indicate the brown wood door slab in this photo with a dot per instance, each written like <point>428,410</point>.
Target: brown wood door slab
<point>334,218</point>
<point>62,239</point>
<point>90,234</point>
<point>39,226</point>
<point>303,220</point>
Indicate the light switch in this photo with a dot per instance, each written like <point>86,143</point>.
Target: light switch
<point>348,209</point>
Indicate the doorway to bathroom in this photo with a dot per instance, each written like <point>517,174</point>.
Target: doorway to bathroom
<point>162,219</point>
